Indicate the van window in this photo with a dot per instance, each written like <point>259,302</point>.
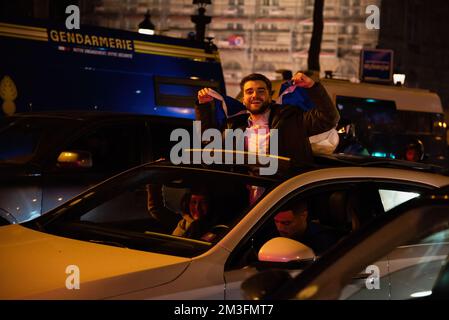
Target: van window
<point>178,92</point>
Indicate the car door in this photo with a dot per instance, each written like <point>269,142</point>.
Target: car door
<point>343,205</point>
<point>395,267</point>
<point>417,250</point>
<point>114,146</point>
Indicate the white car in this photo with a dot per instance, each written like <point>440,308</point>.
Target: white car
<point>104,244</point>
<point>399,256</point>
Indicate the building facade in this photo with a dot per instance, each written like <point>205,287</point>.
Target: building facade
<point>257,35</point>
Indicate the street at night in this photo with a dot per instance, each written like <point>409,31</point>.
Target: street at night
<point>224,156</point>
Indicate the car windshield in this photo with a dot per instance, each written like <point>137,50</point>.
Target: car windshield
<point>169,210</point>
<point>20,138</point>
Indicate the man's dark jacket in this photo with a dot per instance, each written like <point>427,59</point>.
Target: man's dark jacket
<point>294,125</point>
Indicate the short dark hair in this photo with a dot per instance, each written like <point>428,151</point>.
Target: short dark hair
<point>195,190</point>
<point>256,77</point>
<point>298,207</point>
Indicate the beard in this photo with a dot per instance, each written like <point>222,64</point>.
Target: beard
<point>259,110</point>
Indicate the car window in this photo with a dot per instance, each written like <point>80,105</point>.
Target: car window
<point>330,213</point>
<point>164,211</point>
<point>336,208</point>
<point>113,147</point>
<point>393,198</point>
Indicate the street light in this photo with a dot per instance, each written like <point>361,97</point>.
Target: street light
<point>201,20</point>
<point>399,79</point>
<point>146,26</point>
<point>201,3</point>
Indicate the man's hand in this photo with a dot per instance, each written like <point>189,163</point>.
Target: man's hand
<point>303,81</point>
<point>204,96</point>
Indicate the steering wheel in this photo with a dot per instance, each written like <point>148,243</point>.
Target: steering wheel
<point>215,233</point>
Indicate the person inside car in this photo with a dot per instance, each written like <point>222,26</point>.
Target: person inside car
<point>196,221</point>
<point>293,222</point>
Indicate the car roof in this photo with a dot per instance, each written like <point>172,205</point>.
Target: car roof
<point>321,161</point>
<point>370,161</point>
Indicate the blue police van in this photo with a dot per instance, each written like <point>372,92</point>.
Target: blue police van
<point>48,67</point>
<point>78,106</point>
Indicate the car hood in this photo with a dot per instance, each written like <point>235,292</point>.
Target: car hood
<point>34,265</point>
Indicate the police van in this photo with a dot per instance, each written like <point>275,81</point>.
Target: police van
<point>48,67</point>
<point>78,106</point>
<point>391,121</point>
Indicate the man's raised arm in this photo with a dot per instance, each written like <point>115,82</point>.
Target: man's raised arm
<point>324,116</point>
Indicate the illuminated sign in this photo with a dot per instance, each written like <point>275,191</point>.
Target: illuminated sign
<point>65,37</point>
<point>376,65</point>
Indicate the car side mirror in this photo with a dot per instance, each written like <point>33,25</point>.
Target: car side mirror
<point>282,249</point>
<point>74,159</point>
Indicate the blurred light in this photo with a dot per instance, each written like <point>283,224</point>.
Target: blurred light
<point>342,130</point>
<point>34,214</point>
<point>59,199</point>
<point>18,208</point>
<point>194,78</point>
<point>421,294</point>
<point>440,124</point>
<point>399,79</point>
<point>371,100</point>
<point>146,26</point>
<point>67,157</point>
<point>34,200</point>
<point>383,155</point>
<point>444,125</point>
<point>379,154</point>
<point>138,91</point>
<point>146,31</point>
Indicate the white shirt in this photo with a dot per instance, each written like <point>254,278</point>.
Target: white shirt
<point>258,133</point>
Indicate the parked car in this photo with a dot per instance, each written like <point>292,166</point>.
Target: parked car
<point>124,252</point>
<point>47,158</point>
<point>400,255</point>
